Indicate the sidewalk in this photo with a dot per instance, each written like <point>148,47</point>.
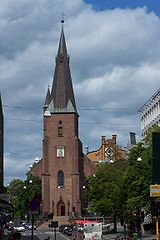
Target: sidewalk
<point>113,236</point>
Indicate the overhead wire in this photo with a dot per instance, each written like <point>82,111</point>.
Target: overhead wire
<point>98,123</point>
<point>81,109</point>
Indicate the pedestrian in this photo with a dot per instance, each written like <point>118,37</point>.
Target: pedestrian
<point>10,237</point>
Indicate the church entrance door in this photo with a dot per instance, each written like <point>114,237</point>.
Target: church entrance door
<point>60,209</point>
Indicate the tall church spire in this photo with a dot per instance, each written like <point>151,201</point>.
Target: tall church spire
<point>62,95</point>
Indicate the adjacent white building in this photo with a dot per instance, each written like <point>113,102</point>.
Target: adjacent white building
<point>150,113</point>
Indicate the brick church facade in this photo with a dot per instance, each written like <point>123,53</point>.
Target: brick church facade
<point>64,168</point>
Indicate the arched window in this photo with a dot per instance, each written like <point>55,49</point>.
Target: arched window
<point>60,131</point>
<point>60,179</point>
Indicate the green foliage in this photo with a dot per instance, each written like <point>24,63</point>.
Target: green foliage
<point>105,188</point>
<point>122,188</point>
<point>22,191</point>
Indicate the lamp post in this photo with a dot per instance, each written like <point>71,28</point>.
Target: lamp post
<point>27,188</point>
<point>138,214</point>
<point>33,205</point>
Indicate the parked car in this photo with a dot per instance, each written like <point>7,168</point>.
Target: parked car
<point>24,223</point>
<point>19,229</point>
<point>64,231</point>
<point>69,230</point>
<point>105,226</point>
<point>28,226</point>
<point>61,227</point>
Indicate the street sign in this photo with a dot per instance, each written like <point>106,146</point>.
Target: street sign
<point>155,190</point>
<point>34,205</point>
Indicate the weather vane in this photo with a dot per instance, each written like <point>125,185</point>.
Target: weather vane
<point>62,17</point>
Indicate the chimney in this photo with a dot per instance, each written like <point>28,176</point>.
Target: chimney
<point>114,137</point>
<point>132,138</point>
<point>103,139</point>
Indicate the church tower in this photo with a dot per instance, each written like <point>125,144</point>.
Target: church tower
<point>1,145</point>
<point>62,149</point>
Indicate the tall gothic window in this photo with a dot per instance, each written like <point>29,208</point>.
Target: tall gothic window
<point>60,129</point>
<point>60,178</point>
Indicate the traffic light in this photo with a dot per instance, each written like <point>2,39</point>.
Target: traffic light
<point>156,158</point>
<point>155,208</point>
<point>54,224</point>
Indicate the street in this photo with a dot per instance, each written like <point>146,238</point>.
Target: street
<point>43,234</point>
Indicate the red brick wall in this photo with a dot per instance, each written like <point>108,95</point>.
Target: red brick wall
<point>68,164</point>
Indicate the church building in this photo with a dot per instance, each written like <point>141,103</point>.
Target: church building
<point>64,167</point>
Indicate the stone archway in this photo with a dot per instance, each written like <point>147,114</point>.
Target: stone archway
<point>61,208</point>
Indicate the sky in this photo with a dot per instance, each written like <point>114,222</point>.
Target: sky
<point>114,50</point>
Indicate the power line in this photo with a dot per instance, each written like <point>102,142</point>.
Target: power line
<point>19,107</point>
<point>23,120</point>
<point>80,109</point>
<point>97,123</point>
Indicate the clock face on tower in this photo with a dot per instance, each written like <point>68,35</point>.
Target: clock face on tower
<point>109,151</point>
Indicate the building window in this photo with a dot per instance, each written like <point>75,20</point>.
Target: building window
<point>60,179</point>
<point>60,151</point>
<point>60,131</point>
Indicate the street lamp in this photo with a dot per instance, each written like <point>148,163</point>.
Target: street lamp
<point>112,161</point>
<point>139,159</point>
<point>138,213</point>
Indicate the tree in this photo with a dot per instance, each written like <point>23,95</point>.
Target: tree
<point>105,189</point>
<point>22,191</point>
<point>123,188</point>
<point>137,179</point>
<point>15,190</point>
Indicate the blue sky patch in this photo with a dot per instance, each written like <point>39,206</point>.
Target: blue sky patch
<point>100,5</point>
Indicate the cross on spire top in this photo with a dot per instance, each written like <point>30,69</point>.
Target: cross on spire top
<point>62,17</point>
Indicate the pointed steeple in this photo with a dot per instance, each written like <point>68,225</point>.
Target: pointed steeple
<point>62,95</point>
<point>48,97</point>
<point>62,50</point>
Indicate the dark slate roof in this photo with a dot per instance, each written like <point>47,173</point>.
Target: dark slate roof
<point>48,97</point>
<point>62,96</point>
